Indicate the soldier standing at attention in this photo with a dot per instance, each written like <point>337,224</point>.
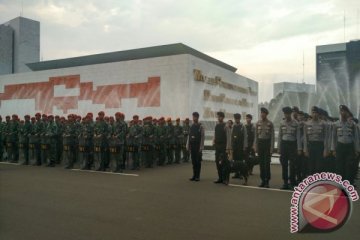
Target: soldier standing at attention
<point>315,147</point>
<point>36,132</point>
<point>238,141</point>
<point>147,142</point>
<point>289,146</point>
<point>345,144</point>
<point>101,131</point>
<point>220,143</point>
<point>14,135</point>
<point>25,132</point>
<point>160,134</point>
<point>170,141</point>
<point>1,140</point>
<point>178,140</point>
<point>264,145</point>
<point>134,140</point>
<point>195,145</point>
<point>52,134</point>
<point>186,129</point>
<point>249,151</point>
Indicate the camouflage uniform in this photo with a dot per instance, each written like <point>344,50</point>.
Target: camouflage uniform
<point>117,149</point>
<point>133,142</point>
<point>147,145</point>
<point>101,132</point>
<point>178,140</point>
<point>52,135</point>
<point>86,144</point>
<point>170,142</point>
<point>35,140</point>
<point>186,129</point>
<point>13,139</point>
<point>70,137</point>
<point>1,139</point>
<point>161,141</point>
<point>24,134</point>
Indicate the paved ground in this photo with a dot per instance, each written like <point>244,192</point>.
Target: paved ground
<point>52,203</point>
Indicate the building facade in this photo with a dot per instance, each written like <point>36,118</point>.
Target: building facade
<point>171,81</point>
<point>338,75</point>
<point>19,45</point>
<point>284,87</point>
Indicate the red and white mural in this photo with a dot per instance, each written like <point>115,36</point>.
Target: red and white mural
<point>146,93</point>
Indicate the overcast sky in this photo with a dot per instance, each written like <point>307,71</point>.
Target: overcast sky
<point>264,39</point>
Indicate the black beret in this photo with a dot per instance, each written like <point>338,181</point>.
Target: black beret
<point>344,108</point>
<point>295,109</point>
<point>315,109</point>
<point>287,110</point>
<point>264,110</point>
<point>195,114</point>
<point>237,115</point>
<point>220,114</point>
<point>249,116</point>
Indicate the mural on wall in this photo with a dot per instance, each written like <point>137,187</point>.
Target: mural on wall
<point>146,93</point>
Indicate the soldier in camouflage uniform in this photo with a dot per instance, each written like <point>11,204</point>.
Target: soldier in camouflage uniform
<point>101,132</point>
<point>44,141</point>
<point>24,134</point>
<point>7,139</point>
<point>13,135</point>
<point>186,129</point>
<point>161,142</point>
<point>52,135</point>
<point>70,142</point>
<point>59,140</point>
<point>170,141</point>
<point>37,130</point>
<point>118,133</point>
<point>1,139</point>
<point>156,149</point>
<point>147,145</point>
<point>133,142</point>
<point>178,140</point>
<point>87,132</point>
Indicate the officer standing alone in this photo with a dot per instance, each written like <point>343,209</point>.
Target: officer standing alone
<point>195,145</point>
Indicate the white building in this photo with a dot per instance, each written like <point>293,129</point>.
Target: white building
<point>171,81</point>
<point>292,87</point>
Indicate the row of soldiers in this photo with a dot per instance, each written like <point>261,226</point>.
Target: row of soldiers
<point>107,142</point>
<point>307,144</point>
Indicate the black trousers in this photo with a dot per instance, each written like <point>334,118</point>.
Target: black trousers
<point>345,157</point>
<point>264,147</point>
<point>315,161</point>
<point>220,158</point>
<point>288,160</point>
<point>196,158</point>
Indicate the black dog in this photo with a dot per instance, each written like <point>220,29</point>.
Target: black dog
<point>241,168</point>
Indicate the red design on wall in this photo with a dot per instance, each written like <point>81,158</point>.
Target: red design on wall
<point>147,93</point>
